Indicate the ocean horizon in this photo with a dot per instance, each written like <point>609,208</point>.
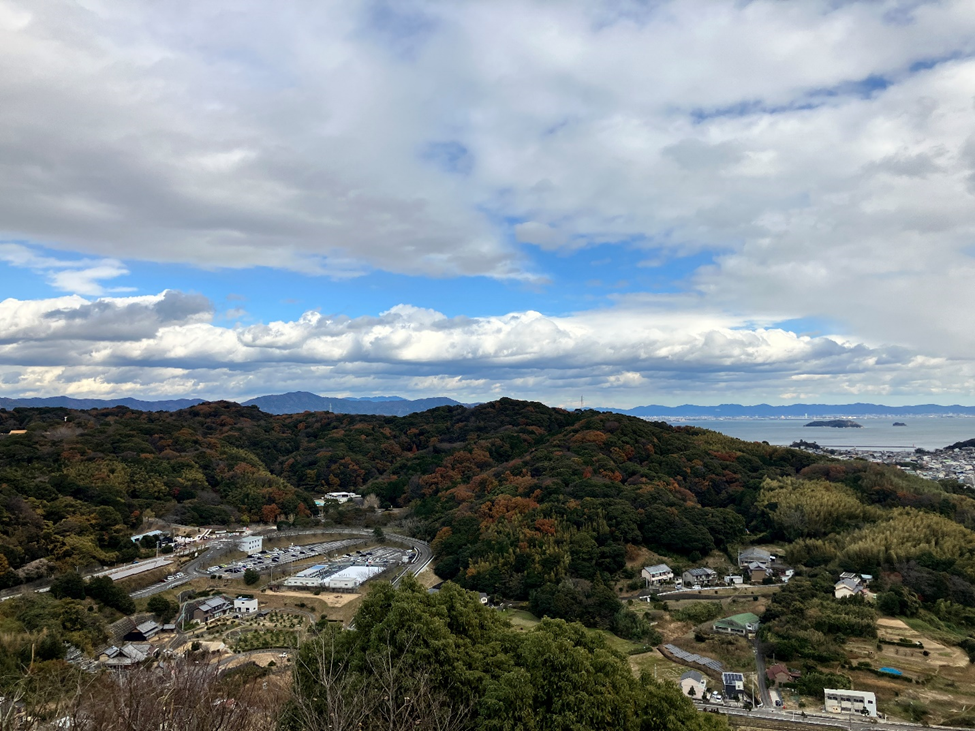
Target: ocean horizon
<point>919,432</point>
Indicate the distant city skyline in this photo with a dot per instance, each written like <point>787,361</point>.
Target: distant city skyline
<point>633,203</point>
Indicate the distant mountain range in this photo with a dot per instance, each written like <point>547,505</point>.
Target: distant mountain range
<point>799,411</point>
<point>298,401</point>
<point>285,403</point>
<point>66,402</point>
<point>295,403</point>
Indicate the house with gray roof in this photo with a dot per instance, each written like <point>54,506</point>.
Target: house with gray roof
<point>700,576</point>
<point>753,554</point>
<point>693,684</point>
<point>659,573</point>
<point>211,608</point>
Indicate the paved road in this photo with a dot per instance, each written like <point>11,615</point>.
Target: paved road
<point>834,720</point>
<point>762,684</point>
<point>192,570</point>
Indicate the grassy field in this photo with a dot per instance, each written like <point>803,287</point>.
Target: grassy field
<point>520,619</point>
<point>261,639</point>
<point>656,665</point>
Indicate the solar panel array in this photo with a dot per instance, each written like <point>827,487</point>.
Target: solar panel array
<point>693,659</point>
<point>728,678</point>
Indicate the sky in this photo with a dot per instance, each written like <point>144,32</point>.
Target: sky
<point>656,202</point>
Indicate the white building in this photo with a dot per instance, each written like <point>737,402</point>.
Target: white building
<point>850,701</point>
<point>243,605</point>
<point>312,576</point>
<point>661,573</point>
<point>251,544</point>
<point>694,681</point>
<point>351,577</point>
<point>734,580</point>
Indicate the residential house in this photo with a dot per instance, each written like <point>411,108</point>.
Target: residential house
<point>245,605</point>
<point>734,580</point>
<point>211,609</point>
<point>660,573</point>
<point>693,684</point>
<point>754,555</point>
<point>743,625</point>
<point>852,585</point>
<point>143,631</point>
<point>734,684</point>
<point>757,572</point>
<point>779,674</point>
<point>848,587</point>
<point>126,655</point>
<point>701,576</point>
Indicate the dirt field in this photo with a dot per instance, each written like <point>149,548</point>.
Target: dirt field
<point>939,654</point>
<point>260,658</point>
<point>206,646</point>
<point>910,660</point>
<point>947,678</point>
<point>427,578</point>
<point>331,599</point>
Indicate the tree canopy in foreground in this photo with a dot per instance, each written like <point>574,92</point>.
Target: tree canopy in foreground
<point>435,661</point>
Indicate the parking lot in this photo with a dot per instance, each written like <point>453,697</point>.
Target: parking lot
<point>280,557</point>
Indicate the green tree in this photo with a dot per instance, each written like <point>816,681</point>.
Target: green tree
<point>416,660</point>
<point>103,589</point>
<point>68,586</point>
<point>251,576</point>
<point>164,609</point>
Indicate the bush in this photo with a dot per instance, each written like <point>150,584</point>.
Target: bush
<point>251,576</point>
<point>698,612</point>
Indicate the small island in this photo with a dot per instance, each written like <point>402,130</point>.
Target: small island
<point>836,424</point>
<point>899,423</point>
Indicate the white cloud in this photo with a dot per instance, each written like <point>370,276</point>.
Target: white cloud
<point>78,277</point>
<point>169,344</point>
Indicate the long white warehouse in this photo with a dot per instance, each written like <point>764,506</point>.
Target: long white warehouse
<point>351,577</point>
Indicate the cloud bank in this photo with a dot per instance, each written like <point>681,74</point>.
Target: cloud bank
<point>169,345</point>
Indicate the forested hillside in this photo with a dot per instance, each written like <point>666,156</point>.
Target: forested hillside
<point>518,499</point>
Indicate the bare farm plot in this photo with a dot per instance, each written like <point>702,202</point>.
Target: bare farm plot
<point>938,655</point>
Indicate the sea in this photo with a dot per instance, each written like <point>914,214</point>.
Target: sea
<point>920,432</point>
